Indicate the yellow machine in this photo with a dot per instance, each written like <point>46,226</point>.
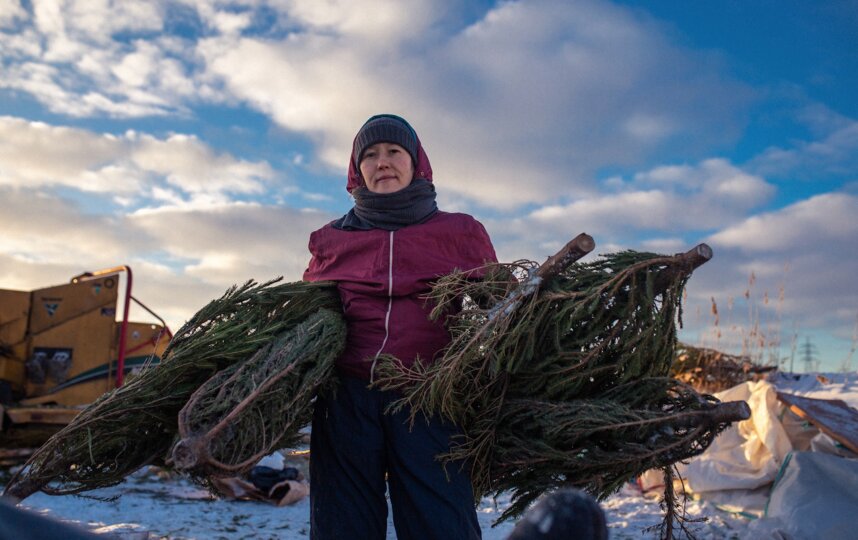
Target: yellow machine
<point>63,346</point>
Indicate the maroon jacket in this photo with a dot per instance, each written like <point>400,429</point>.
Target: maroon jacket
<point>383,276</point>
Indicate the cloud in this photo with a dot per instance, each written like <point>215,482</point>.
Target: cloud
<point>35,153</point>
<point>43,229</point>
<point>827,219</point>
<point>376,22</point>
<point>579,85</point>
<point>832,151</point>
<point>803,252</point>
<point>182,257</point>
<point>715,179</point>
<point>70,26</point>
<point>83,58</point>
<point>710,195</point>
<point>72,200</point>
<point>307,93</point>
<point>192,166</point>
<point>133,168</point>
<point>10,11</point>
<point>236,241</point>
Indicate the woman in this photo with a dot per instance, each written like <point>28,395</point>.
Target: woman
<point>384,254</point>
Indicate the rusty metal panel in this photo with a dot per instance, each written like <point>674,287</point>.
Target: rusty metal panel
<point>14,313</point>
<point>75,395</point>
<point>144,339</point>
<point>41,415</point>
<point>53,306</point>
<point>12,367</point>
<point>64,351</point>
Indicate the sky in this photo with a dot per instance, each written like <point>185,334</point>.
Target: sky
<point>201,141</point>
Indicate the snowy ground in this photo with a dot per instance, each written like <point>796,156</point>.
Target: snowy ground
<point>172,508</point>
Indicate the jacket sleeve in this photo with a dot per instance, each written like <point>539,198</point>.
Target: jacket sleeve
<point>314,268</point>
<point>505,282</point>
<point>483,250</point>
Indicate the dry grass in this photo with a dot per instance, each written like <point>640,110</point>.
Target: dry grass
<point>750,326</point>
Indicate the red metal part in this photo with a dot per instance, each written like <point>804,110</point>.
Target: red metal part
<point>163,322</point>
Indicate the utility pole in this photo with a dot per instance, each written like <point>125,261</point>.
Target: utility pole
<point>808,351</point>
<point>793,345</point>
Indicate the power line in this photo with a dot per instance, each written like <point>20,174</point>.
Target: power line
<point>809,356</point>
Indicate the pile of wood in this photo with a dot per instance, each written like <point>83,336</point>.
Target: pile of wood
<point>710,371</point>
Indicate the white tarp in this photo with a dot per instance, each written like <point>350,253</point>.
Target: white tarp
<point>762,467</point>
<point>814,496</point>
<point>748,454</point>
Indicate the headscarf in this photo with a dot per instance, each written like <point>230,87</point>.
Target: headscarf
<point>389,211</point>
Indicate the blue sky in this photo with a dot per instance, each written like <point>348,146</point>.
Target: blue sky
<point>200,141</point>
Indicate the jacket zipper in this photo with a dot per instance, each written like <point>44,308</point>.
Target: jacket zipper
<point>389,306</point>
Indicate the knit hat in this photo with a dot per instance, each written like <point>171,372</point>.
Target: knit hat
<point>387,128</point>
<point>422,167</point>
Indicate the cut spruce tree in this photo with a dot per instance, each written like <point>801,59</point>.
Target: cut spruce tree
<point>564,380</point>
<point>137,424</point>
<point>253,408</point>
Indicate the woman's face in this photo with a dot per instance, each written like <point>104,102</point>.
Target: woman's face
<point>386,168</point>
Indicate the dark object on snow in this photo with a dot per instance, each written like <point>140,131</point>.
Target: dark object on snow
<point>265,478</point>
<point>22,524</point>
<point>567,514</point>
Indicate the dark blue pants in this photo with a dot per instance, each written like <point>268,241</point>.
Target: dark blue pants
<point>354,445</point>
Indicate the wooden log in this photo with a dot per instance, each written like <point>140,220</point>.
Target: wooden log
<point>686,264</point>
<point>720,413</point>
<point>551,268</point>
<point>832,416</point>
<point>571,252</point>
